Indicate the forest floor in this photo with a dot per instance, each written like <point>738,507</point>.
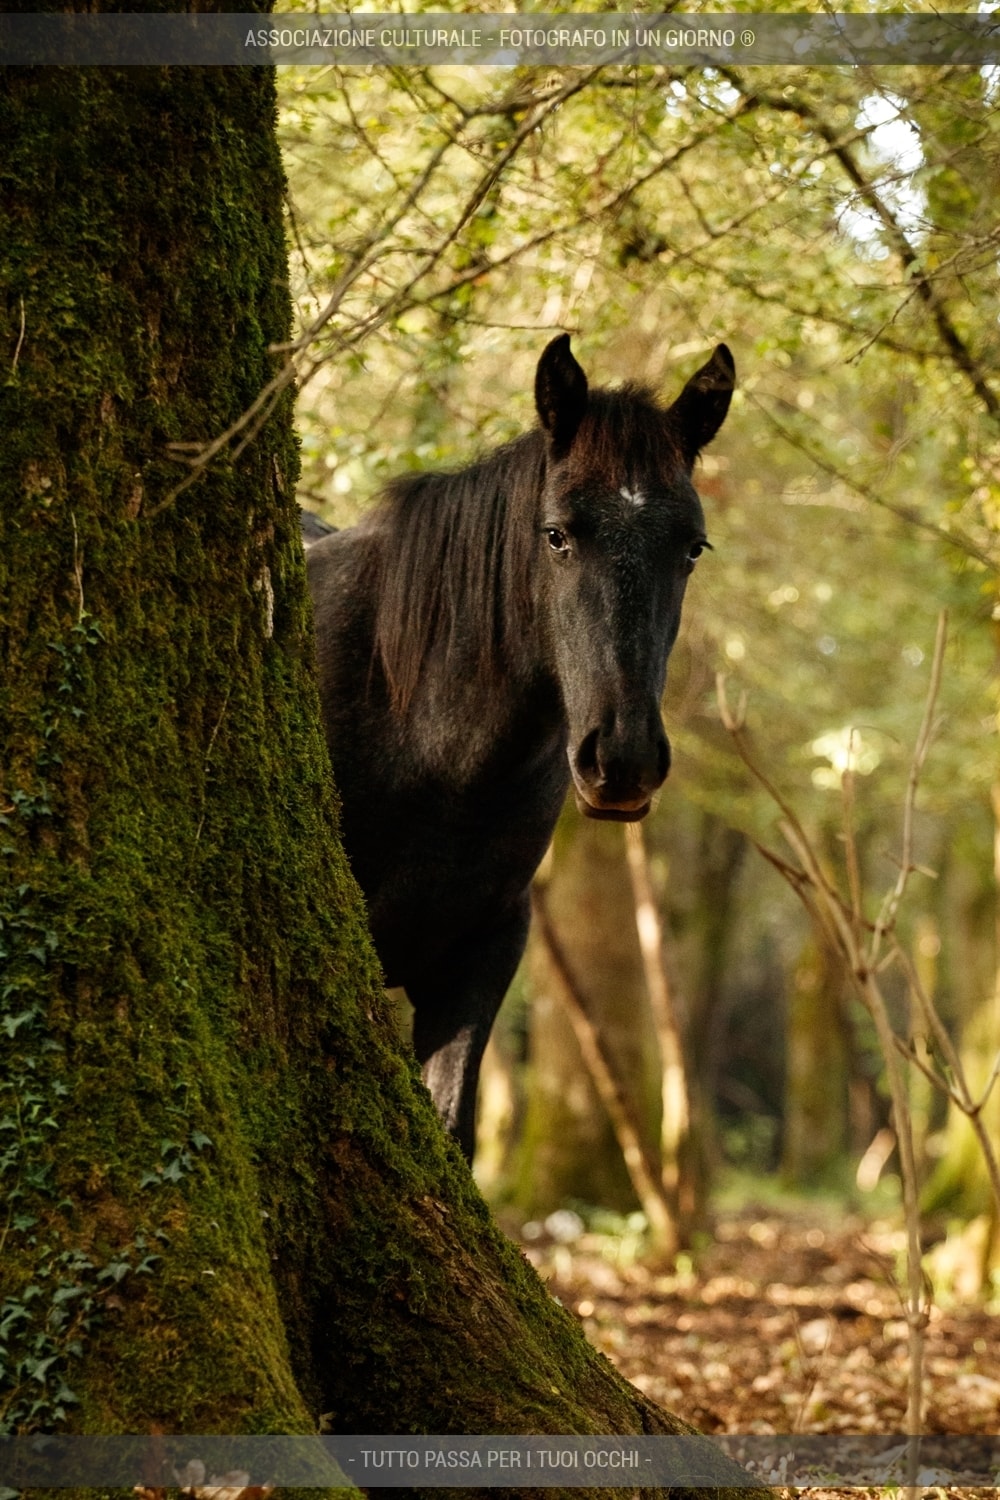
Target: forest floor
<point>786,1322</point>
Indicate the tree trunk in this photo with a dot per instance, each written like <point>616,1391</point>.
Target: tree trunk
<point>675,1119</point>
<point>717,857</point>
<point>815,1129</point>
<point>569,1148</point>
<point>959,1184</point>
<point>227,1204</point>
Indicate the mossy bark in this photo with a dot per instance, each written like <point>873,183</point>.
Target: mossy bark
<point>227,1204</point>
<point>149,723</point>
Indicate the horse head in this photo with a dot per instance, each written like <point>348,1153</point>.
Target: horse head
<point>621,527</point>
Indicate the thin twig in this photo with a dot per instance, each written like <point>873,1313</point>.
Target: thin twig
<point>77,569</point>
<point>846,927</point>
<point>987,1091</point>
<point>20,337</point>
<point>208,757</point>
<point>850,841</point>
<point>950,535</point>
<point>676,1110</point>
<point>932,1020</point>
<point>940,1082</point>
<point>735,727</point>
<point>958,1090</point>
<point>371,249</point>
<point>641,1169</point>
<point>887,916</point>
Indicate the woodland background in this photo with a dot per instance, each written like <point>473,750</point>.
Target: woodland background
<point>838,228</point>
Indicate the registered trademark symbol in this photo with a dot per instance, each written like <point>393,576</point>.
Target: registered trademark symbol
<point>747,38</point>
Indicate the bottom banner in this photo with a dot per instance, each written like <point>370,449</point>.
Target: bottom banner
<point>477,1461</point>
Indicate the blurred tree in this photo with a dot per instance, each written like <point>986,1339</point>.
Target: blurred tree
<point>568,1148</point>
<point>815,1127</point>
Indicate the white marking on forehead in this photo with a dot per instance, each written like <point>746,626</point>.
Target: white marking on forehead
<point>634,497</point>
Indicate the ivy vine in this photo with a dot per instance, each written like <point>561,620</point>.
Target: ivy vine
<point>45,1322</point>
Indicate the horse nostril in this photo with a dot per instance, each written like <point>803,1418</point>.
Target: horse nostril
<point>587,761</point>
<point>663,758</point>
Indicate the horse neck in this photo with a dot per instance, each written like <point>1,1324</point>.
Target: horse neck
<point>485,674</point>
<point>457,572</point>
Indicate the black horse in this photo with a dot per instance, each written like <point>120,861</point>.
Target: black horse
<point>484,638</point>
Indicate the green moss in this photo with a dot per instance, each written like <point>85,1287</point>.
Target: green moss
<point>243,1173</point>
<point>133,1196</point>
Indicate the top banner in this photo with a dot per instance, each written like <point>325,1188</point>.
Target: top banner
<point>498,40</point>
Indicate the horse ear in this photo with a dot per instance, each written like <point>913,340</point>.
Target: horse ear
<point>560,393</point>
<point>701,407</point>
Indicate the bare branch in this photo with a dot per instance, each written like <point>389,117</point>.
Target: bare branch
<point>850,842</point>
<point>922,282</point>
<point>950,535</point>
<point>676,1116</point>
<point>20,339</point>
<point>642,1170</point>
<point>887,916</point>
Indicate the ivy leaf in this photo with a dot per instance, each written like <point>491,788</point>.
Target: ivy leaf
<point>12,1024</point>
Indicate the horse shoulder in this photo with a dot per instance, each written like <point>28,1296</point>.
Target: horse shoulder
<point>342,604</point>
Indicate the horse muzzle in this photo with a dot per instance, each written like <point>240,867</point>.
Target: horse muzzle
<point>615,776</point>
<point>611,814</point>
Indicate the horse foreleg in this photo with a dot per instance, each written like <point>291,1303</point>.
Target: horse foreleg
<point>454,1011</point>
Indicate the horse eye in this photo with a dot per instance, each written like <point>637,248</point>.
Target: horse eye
<point>695,551</point>
<point>557,539</point>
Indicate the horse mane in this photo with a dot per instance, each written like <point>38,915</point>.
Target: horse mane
<point>454,565</point>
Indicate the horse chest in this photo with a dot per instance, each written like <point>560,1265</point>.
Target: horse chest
<point>439,863</point>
